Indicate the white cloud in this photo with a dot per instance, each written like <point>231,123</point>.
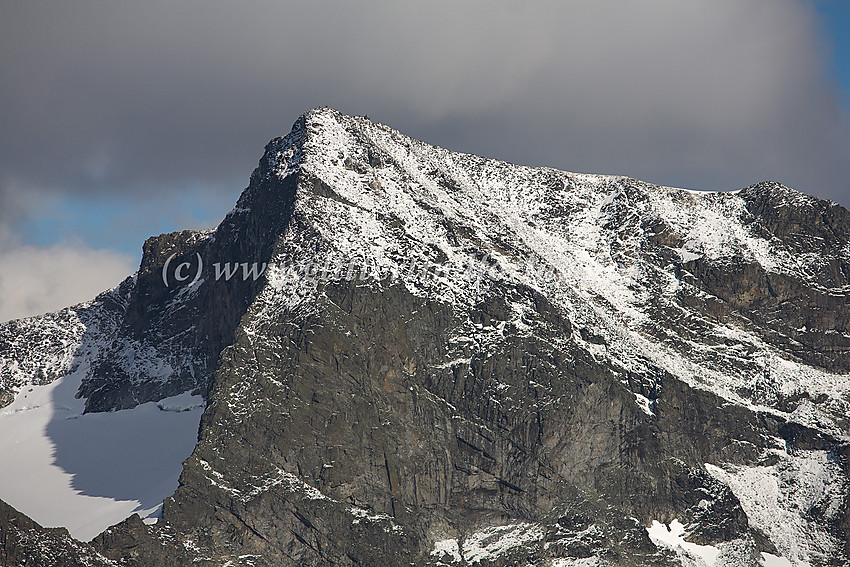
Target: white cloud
<point>36,279</point>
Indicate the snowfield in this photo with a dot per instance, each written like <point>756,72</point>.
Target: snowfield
<point>89,472</point>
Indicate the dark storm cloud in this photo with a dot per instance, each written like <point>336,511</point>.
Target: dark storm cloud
<point>151,97</point>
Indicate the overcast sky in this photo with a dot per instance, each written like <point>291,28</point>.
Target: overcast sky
<point>119,120</point>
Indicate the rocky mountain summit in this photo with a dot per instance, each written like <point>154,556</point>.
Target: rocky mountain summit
<point>450,360</point>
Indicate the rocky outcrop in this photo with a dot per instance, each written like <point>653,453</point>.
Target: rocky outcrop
<point>24,542</point>
<point>38,350</point>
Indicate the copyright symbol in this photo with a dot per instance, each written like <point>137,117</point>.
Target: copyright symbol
<point>182,271</point>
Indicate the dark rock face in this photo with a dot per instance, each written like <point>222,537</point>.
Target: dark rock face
<point>803,316</point>
<point>24,542</point>
<point>378,431</point>
<point>455,361</point>
<point>185,332</point>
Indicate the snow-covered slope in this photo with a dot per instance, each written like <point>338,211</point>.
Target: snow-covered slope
<point>613,252</point>
<point>86,472</point>
<point>38,350</point>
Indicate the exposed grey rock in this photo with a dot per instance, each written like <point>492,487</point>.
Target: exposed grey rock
<point>24,542</point>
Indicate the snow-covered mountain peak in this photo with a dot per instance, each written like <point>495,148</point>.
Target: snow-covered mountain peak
<point>615,243</point>
<point>469,359</point>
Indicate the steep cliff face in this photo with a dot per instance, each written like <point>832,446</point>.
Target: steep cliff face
<point>173,331</point>
<point>453,361</point>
